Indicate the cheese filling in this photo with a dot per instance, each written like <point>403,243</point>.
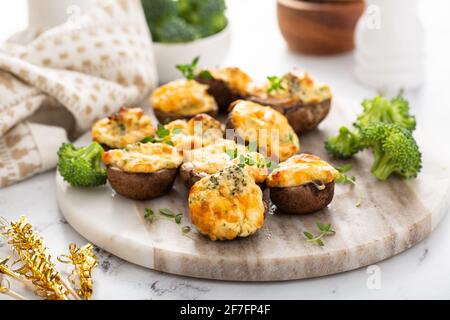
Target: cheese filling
<point>300,170</point>
<point>128,126</point>
<point>297,86</point>
<point>267,126</point>
<point>227,205</point>
<point>183,97</point>
<point>144,158</point>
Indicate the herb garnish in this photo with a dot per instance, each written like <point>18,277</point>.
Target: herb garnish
<point>344,179</point>
<point>188,70</point>
<point>164,213</point>
<point>325,230</point>
<point>275,84</point>
<point>162,136</point>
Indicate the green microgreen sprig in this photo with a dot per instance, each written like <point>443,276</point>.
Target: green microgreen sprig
<point>275,84</point>
<point>325,230</point>
<point>164,213</point>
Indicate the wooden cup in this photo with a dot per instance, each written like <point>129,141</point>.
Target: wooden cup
<point>318,27</point>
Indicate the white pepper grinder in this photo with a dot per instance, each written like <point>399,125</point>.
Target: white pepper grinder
<point>390,42</point>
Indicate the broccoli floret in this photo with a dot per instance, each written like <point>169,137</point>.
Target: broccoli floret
<point>81,167</point>
<point>208,16</point>
<point>158,10</point>
<point>345,145</point>
<point>380,109</point>
<point>175,29</point>
<point>395,150</point>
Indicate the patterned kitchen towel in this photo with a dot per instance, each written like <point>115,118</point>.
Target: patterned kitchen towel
<point>60,81</point>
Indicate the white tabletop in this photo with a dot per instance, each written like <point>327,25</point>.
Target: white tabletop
<point>421,272</point>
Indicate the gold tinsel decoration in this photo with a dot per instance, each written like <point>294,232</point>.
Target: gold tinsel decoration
<point>36,268</point>
<point>84,262</point>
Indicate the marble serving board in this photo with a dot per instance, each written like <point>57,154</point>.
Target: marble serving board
<point>373,221</point>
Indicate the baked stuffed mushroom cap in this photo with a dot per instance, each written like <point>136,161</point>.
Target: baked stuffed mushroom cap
<point>182,99</point>
<point>304,102</point>
<point>210,160</point>
<point>128,126</point>
<point>200,131</point>
<point>253,122</point>
<point>226,85</point>
<point>143,171</point>
<point>227,205</point>
<point>303,184</point>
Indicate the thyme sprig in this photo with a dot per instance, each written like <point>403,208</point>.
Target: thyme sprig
<point>325,230</point>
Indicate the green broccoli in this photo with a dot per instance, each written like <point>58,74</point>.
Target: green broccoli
<point>345,145</point>
<point>395,150</point>
<point>81,167</point>
<point>207,15</point>
<point>381,110</point>
<point>159,10</point>
<point>174,30</point>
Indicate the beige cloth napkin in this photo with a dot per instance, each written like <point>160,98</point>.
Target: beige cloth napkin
<point>62,80</point>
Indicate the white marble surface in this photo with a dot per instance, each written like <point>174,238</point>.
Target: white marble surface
<point>421,272</point>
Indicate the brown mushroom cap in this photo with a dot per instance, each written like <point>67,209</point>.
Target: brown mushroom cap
<point>142,186</point>
<point>304,199</point>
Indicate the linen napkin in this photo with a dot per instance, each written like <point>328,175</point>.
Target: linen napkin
<point>56,83</point>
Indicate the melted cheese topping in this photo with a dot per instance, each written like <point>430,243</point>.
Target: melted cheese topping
<point>183,97</point>
<point>299,87</point>
<point>235,78</point>
<point>143,158</point>
<point>227,205</point>
<point>300,170</point>
<point>270,128</point>
<point>211,159</point>
<point>202,130</point>
<point>128,126</point>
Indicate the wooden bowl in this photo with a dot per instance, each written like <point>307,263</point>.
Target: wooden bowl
<point>317,27</point>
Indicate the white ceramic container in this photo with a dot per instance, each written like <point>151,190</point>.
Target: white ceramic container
<point>212,50</point>
<point>390,42</point>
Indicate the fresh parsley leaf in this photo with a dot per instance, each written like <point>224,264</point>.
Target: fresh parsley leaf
<point>345,169</point>
<point>149,215</point>
<point>178,218</point>
<point>343,179</point>
<point>205,74</point>
<point>308,235</point>
<point>170,143</point>
<point>167,212</point>
<point>162,132</point>
<point>275,84</point>
<point>148,140</point>
<point>188,70</point>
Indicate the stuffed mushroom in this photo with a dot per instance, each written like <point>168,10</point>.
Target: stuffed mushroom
<point>304,103</point>
<point>182,99</point>
<point>226,85</point>
<point>143,171</point>
<point>254,123</point>
<point>227,205</point>
<point>303,184</point>
<point>209,160</point>
<point>128,126</point>
<point>200,131</point>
